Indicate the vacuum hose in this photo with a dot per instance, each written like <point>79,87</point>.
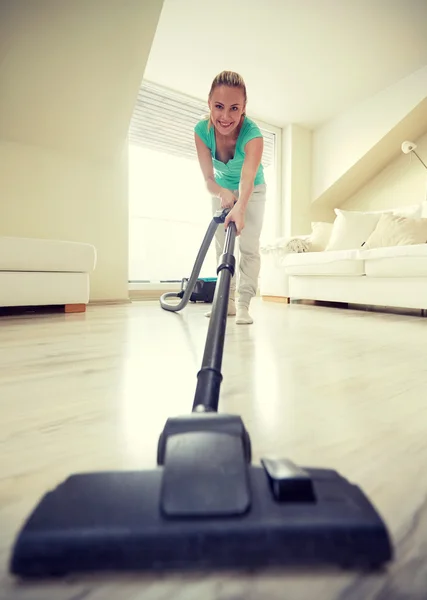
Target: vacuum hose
<point>219,217</point>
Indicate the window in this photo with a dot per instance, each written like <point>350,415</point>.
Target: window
<point>169,207</point>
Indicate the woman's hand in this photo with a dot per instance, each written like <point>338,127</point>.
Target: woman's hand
<point>228,199</point>
<point>236,215</point>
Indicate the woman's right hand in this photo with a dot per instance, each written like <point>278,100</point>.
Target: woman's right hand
<point>228,199</point>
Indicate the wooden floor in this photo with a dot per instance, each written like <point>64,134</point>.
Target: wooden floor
<point>326,387</point>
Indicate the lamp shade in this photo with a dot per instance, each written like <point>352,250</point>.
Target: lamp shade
<point>407,147</point>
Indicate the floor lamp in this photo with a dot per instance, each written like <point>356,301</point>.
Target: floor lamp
<point>410,147</point>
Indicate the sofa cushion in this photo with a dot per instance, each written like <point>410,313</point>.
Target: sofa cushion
<point>320,235</point>
<point>394,230</point>
<point>396,261</point>
<point>351,229</point>
<point>32,254</point>
<point>342,262</point>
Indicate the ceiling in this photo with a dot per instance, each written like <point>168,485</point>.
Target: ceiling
<point>304,61</point>
<point>70,72</point>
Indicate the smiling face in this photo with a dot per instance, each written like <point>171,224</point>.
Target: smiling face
<point>227,105</point>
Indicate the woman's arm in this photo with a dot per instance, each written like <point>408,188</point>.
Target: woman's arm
<point>205,161</point>
<point>253,156</point>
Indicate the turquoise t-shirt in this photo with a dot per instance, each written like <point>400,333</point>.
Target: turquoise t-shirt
<point>228,175</point>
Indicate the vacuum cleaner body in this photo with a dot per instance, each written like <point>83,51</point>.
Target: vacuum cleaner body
<point>204,290</point>
<point>204,505</point>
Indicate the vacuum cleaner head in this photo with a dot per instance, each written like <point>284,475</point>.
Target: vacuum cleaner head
<point>204,505</point>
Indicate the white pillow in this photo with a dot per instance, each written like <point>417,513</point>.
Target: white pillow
<point>320,234</point>
<point>393,230</point>
<point>351,229</point>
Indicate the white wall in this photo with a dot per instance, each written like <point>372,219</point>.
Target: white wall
<point>296,179</point>
<point>69,75</point>
<point>340,143</point>
<point>402,182</point>
<point>49,195</point>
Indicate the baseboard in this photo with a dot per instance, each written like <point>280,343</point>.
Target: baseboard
<point>147,295</point>
<point>109,302</point>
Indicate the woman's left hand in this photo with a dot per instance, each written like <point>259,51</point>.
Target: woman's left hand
<point>236,215</point>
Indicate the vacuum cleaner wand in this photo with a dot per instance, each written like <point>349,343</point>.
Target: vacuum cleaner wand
<point>205,505</point>
<point>209,377</point>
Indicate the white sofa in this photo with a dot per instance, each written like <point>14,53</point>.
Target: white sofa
<point>40,272</point>
<point>390,272</point>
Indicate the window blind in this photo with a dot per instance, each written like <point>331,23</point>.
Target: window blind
<point>164,120</point>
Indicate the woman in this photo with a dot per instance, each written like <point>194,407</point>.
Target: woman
<point>229,147</point>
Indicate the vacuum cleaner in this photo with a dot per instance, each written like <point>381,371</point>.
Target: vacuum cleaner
<point>185,294</point>
<point>204,506</point>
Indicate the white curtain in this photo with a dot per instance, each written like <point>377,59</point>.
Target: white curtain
<point>169,213</point>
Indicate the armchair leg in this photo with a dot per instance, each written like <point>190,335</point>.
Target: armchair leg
<point>283,299</point>
<point>74,308</point>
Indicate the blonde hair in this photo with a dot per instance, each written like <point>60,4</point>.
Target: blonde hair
<point>230,79</point>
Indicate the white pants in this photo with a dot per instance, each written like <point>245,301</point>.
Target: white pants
<point>247,245</point>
